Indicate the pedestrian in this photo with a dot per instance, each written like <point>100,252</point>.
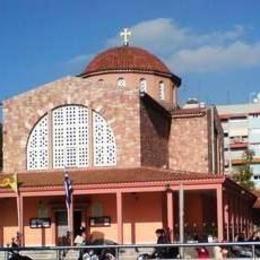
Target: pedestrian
<point>202,253</point>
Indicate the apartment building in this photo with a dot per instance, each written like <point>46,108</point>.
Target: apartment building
<point>241,124</point>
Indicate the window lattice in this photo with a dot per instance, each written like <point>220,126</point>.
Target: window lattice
<point>69,140</point>
<point>161,91</point>
<point>143,86</point>
<point>37,149</point>
<point>104,142</point>
<point>70,136</point>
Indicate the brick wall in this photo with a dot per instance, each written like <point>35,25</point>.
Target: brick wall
<point>188,144</point>
<point>155,130</point>
<point>119,107</point>
<point>192,142</point>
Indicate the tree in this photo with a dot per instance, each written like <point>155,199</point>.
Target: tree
<point>245,173</point>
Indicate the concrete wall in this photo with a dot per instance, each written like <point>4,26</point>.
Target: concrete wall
<point>8,220</point>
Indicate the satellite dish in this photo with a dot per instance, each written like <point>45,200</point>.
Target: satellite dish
<point>255,100</point>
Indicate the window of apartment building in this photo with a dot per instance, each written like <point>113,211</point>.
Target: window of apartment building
<point>257,177</point>
<point>256,149</point>
<point>254,116</point>
<point>254,135</point>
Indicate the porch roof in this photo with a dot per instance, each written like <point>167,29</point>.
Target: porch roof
<point>111,176</point>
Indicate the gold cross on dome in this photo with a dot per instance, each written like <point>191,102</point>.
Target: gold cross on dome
<point>125,35</point>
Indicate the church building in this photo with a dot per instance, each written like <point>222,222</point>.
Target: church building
<point>130,151</point>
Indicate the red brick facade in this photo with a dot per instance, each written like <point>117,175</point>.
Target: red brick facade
<point>146,133</point>
<point>192,141</point>
<point>119,108</point>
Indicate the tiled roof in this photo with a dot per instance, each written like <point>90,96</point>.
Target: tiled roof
<point>257,202</point>
<point>109,176</point>
<point>184,112</point>
<point>125,58</point>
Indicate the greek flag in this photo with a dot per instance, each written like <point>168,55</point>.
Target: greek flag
<point>68,189</point>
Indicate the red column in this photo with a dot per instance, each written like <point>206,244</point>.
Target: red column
<point>170,215</point>
<point>119,217</point>
<point>240,214</point>
<point>232,218</point>
<point>226,216</point>
<point>237,215</point>
<point>220,212</point>
<point>19,202</point>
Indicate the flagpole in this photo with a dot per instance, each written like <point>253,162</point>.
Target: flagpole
<point>71,221</point>
<point>66,200</point>
<point>69,203</point>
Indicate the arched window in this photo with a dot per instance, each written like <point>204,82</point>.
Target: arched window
<point>104,142</point>
<point>37,147</point>
<point>121,83</point>
<point>70,136</point>
<point>143,85</point>
<point>72,142</point>
<point>161,90</point>
<point>100,82</point>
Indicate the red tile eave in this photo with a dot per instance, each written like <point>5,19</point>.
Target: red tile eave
<point>233,186</point>
<point>202,184</point>
<point>230,116</point>
<point>189,112</point>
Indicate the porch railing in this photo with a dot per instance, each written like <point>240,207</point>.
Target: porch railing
<point>251,249</point>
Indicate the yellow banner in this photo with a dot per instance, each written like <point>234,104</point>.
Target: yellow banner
<point>9,182</point>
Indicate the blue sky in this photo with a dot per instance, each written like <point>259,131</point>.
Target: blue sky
<point>213,45</point>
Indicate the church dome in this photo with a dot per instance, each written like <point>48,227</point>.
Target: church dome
<point>126,59</point>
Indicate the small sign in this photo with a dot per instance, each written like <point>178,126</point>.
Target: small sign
<point>103,221</point>
<point>40,222</point>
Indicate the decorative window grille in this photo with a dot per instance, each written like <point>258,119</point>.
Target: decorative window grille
<point>70,136</point>
<point>121,83</point>
<point>161,90</point>
<point>69,144</point>
<point>37,148</point>
<point>143,86</point>
<point>104,142</point>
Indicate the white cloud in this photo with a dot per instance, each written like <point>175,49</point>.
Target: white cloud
<point>213,58</point>
<point>185,50</point>
<point>163,35</point>
<point>78,63</point>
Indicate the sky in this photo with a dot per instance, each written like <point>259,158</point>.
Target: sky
<point>214,46</point>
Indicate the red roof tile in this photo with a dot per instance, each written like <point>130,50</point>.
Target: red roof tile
<point>125,58</point>
<point>108,176</point>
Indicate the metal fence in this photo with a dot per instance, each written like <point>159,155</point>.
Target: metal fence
<point>236,250</point>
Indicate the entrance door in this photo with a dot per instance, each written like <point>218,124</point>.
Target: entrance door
<point>62,225</point>
<point>77,222</point>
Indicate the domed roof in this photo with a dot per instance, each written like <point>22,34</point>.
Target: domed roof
<point>126,58</point>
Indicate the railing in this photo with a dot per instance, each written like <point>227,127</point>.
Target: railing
<point>248,250</point>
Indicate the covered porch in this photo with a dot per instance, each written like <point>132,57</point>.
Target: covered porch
<point>126,206</point>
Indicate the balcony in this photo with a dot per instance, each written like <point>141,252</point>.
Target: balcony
<point>238,145</point>
<point>240,161</point>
